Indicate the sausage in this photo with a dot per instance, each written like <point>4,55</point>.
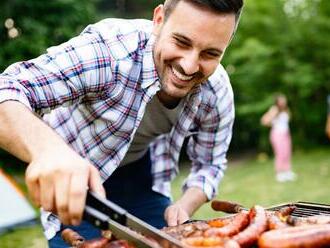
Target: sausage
<point>311,220</point>
<point>119,244</point>
<point>72,238</point>
<point>214,242</point>
<point>95,243</point>
<point>258,224</point>
<point>226,206</point>
<point>313,236</point>
<point>279,218</point>
<point>275,222</point>
<point>238,223</point>
<point>187,230</point>
<point>220,222</point>
<point>286,211</point>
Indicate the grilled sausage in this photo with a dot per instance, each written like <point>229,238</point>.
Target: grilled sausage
<point>258,224</point>
<point>95,243</point>
<point>214,242</point>
<point>220,222</point>
<point>187,230</point>
<point>275,221</point>
<point>311,220</point>
<point>312,236</point>
<point>119,244</point>
<point>238,223</point>
<point>226,206</point>
<point>72,238</point>
<point>278,219</point>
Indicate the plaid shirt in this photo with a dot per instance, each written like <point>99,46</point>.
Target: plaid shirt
<point>93,91</point>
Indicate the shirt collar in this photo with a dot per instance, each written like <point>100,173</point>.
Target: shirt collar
<point>149,72</point>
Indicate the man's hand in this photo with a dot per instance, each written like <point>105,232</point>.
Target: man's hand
<point>175,215</point>
<point>181,210</point>
<point>58,182</point>
<point>57,177</point>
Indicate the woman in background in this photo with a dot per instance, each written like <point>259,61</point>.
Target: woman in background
<point>278,117</point>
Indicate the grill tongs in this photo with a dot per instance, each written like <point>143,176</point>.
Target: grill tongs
<point>107,215</point>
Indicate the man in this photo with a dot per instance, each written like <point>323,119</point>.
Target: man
<point>119,100</point>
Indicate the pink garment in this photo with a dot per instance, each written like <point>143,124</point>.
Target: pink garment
<point>281,143</point>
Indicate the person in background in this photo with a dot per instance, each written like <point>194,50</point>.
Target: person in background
<point>277,117</point>
<point>110,110</point>
<point>327,126</point>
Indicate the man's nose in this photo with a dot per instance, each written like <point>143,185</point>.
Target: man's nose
<point>191,63</point>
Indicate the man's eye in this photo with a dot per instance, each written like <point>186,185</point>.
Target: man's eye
<point>181,43</point>
<point>212,55</point>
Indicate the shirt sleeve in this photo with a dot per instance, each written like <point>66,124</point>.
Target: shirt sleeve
<point>71,72</point>
<point>208,147</point>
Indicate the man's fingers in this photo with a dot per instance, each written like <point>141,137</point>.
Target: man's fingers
<point>77,195</point>
<point>183,216</point>
<point>95,182</point>
<point>62,198</point>
<point>172,216</point>
<point>32,183</point>
<point>47,197</point>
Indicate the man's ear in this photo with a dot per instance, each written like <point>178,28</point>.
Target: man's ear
<point>158,19</point>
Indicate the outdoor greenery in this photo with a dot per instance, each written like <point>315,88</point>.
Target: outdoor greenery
<point>248,181</point>
<point>28,27</point>
<point>280,46</point>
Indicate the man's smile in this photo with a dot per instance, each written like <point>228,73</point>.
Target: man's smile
<point>181,76</point>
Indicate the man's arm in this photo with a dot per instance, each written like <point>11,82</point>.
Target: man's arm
<point>56,177</point>
<point>207,150</point>
<point>183,209</point>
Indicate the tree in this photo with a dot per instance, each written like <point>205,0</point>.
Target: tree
<point>281,46</point>
<point>31,26</point>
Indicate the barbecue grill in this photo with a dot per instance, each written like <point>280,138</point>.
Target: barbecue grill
<point>119,220</point>
<point>305,209</point>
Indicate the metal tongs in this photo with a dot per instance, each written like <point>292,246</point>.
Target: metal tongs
<point>107,215</point>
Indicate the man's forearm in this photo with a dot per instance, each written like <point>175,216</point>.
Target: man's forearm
<point>23,134</point>
<point>192,199</point>
<point>57,177</point>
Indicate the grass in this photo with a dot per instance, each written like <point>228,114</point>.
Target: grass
<point>252,181</point>
<point>247,181</point>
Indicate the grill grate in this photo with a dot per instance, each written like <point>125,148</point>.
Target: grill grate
<point>305,209</point>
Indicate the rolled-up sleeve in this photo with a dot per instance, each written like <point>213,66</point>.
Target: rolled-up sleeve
<point>207,149</point>
<point>68,73</point>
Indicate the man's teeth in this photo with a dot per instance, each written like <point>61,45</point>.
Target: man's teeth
<point>181,76</point>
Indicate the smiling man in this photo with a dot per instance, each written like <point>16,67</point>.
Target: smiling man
<point>110,110</point>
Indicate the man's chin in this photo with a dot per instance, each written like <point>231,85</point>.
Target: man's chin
<point>177,95</point>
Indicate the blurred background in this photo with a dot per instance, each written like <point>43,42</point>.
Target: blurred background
<point>280,46</point>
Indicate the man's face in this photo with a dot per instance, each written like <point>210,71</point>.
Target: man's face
<point>189,46</point>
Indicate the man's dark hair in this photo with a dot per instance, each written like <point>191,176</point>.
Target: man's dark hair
<point>221,6</point>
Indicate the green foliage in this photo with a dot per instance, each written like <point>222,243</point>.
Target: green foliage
<point>281,46</point>
<point>40,24</point>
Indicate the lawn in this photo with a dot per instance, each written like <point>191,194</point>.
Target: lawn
<point>248,181</point>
